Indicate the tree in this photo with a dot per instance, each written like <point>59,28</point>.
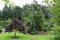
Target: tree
<point>5,13</point>
<point>15,25</point>
<point>56,16</point>
<point>17,12</point>
<point>9,3</point>
<point>0,15</point>
<point>38,17</point>
<point>46,12</point>
<point>55,10</point>
<point>32,15</point>
<point>9,12</point>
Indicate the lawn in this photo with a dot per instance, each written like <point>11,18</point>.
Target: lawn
<point>7,36</point>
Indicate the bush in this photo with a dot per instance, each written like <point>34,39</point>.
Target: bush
<point>56,30</point>
<point>33,32</point>
<point>4,23</point>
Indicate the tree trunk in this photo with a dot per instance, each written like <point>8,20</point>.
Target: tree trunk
<point>15,34</point>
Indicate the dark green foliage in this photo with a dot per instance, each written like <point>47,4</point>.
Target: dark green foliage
<point>9,12</point>
<point>34,16</point>
<point>46,12</point>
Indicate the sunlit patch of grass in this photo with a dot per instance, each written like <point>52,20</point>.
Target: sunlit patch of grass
<point>8,36</point>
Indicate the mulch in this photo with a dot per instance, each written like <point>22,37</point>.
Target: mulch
<point>42,32</point>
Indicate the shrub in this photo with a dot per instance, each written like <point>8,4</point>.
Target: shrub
<point>56,30</point>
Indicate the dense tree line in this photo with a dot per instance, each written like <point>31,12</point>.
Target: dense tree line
<point>34,15</point>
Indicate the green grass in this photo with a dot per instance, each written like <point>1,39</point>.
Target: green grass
<point>7,36</point>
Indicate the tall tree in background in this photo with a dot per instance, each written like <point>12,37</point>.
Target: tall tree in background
<point>17,12</point>
<point>38,17</point>
<point>9,12</point>
<point>33,15</point>
<point>5,13</point>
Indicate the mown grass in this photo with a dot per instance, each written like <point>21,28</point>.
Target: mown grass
<point>8,36</point>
